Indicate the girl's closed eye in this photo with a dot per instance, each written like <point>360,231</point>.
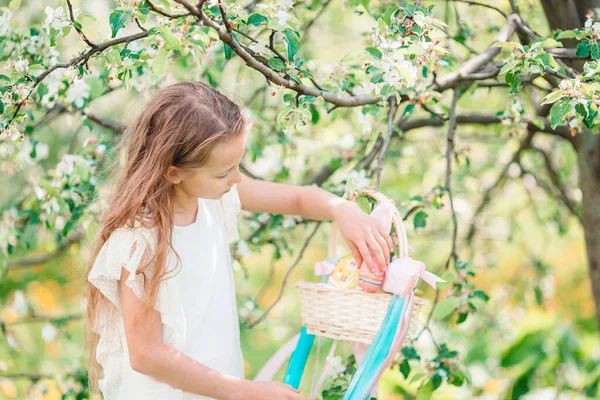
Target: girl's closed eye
<point>224,176</point>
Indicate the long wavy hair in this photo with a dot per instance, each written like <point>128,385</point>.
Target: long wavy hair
<point>180,126</point>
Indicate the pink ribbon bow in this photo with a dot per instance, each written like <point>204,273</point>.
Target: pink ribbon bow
<point>403,274</point>
<point>325,267</point>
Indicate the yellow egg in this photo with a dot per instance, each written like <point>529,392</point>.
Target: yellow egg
<point>345,274</point>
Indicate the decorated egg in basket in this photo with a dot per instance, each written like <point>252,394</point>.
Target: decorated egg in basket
<point>345,274</point>
<point>369,281</point>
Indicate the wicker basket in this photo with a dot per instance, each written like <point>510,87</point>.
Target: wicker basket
<point>350,314</point>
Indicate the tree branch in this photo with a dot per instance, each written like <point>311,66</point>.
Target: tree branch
<point>555,179</point>
<point>45,257</point>
<point>474,64</point>
<point>163,13</point>
<point>273,76</point>
<point>82,58</point>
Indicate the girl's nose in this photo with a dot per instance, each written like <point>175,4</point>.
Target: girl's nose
<point>237,177</point>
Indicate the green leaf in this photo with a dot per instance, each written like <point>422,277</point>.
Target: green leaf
<point>364,204</point>
<point>566,35</point>
<point>276,64</point>
<point>14,4</point>
<point>583,49</point>
<point>77,25</point>
<point>558,112</point>
<point>87,123</point>
<point>595,51</point>
<point>445,308</point>
<point>387,17</point>
<point>539,296</point>
<point>374,52</point>
<point>554,96</point>
<point>509,66</point>
<point>159,64</point>
<point>420,220</point>
<point>292,39</point>
<point>117,20</point>
<point>1,107</point>
<point>405,368</point>
<point>5,78</point>
<point>478,303</point>
<point>551,44</point>
<point>425,391</point>
<point>256,19</point>
<point>113,56</point>
<point>462,317</point>
<point>171,41</point>
<point>410,353</point>
<point>228,51</point>
<point>508,45</point>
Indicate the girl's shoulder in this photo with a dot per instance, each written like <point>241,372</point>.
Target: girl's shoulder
<point>128,239</point>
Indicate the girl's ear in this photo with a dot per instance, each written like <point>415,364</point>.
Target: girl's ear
<point>173,175</point>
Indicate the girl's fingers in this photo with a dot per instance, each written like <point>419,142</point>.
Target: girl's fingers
<point>376,249</point>
<point>355,253</point>
<point>366,255</point>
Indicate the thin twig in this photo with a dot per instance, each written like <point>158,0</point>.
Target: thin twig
<point>165,14</point>
<point>487,194</point>
<point>79,31</point>
<point>388,138</point>
<point>476,3</point>
<point>286,277</point>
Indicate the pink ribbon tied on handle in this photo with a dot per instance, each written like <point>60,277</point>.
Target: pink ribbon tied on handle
<point>325,267</point>
<point>403,274</point>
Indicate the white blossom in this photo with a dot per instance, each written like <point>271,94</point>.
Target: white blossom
<point>19,302</point>
<point>49,332</point>
<point>77,93</point>
<point>282,17</point>
<point>259,47</point>
<point>243,249</point>
<point>288,223</point>
<point>335,366</point>
<point>55,19</point>
<point>5,17</point>
<point>356,180</point>
<point>346,142</point>
<point>21,66</point>
<point>366,120</point>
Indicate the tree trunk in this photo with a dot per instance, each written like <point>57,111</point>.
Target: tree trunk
<point>570,14</point>
<point>589,182</point>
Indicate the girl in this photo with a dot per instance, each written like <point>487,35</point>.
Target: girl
<point>161,318</point>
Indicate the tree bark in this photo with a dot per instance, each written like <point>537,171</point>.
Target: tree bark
<point>570,14</point>
<point>589,182</point>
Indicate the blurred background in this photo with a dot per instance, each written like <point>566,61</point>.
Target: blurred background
<point>520,243</point>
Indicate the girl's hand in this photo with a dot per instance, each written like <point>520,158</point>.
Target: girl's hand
<point>364,236</point>
<point>269,390</point>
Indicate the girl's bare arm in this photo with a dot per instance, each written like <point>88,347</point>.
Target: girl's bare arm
<point>150,356</point>
<point>363,235</point>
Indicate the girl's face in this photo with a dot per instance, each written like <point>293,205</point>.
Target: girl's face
<point>216,178</point>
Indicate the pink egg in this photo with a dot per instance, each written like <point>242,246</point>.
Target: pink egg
<point>369,282</point>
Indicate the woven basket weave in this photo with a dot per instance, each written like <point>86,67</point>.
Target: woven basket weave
<point>348,314</point>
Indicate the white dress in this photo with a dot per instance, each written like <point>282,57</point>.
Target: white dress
<point>197,303</point>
